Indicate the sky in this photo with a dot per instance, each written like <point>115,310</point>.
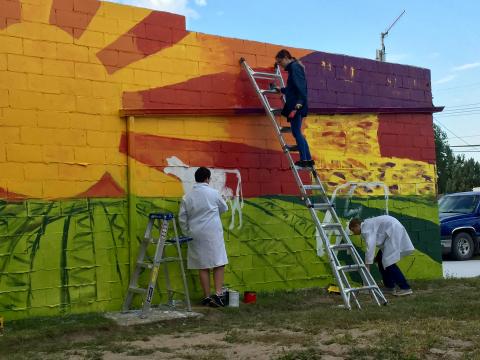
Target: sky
<point>441,35</point>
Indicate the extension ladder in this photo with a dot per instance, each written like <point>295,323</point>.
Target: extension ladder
<point>323,205</point>
<point>161,222</point>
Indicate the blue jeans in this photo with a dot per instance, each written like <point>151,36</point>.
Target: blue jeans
<point>391,275</point>
<point>296,124</point>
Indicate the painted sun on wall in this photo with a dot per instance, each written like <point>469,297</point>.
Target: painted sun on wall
<point>70,222</point>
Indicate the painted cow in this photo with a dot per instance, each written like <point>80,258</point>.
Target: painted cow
<point>218,181</point>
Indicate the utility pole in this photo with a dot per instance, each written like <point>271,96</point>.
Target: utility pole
<point>381,55</point>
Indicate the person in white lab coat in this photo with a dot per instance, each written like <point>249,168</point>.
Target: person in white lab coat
<point>391,237</point>
<point>199,217</point>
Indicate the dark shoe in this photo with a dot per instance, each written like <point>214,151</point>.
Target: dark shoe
<point>206,301</point>
<point>292,147</point>
<point>311,162</point>
<point>303,163</point>
<point>216,301</point>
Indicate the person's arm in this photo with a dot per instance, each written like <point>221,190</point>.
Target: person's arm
<point>298,78</point>
<point>370,250</point>
<point>183,218</point>
<point>222,205</point>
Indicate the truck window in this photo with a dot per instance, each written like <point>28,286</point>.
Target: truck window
<point>458,204</point>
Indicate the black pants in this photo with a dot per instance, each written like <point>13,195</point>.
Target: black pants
<point>391,275</point>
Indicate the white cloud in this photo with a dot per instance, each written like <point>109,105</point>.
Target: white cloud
<point>466,66</point>
<point>445,79</point>
<point>181,7</point>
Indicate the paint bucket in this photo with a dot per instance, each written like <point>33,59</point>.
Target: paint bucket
<point>249,297</point>
<point>233,298</point>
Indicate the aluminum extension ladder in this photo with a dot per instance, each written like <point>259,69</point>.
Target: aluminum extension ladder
<point>161,222</point>
<point>323,204</point>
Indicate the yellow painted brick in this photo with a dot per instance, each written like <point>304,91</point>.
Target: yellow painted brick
<point>148,78</point>
<point>113,123</point>
<point>43,49</point>
<point>32,189</point>
<point>58,102</point>
<point>10,45</point>
<point>119,173</point>
<point>3,153</point>
<point>104,25</point>
<point>18,117</point>
<point>91,38</point>
<point>72,52</point>
<point>35,13</point>
<point>116,11</point>
<point>85,121</point>
<point>34,135</point>
<point>172,78</point>
<point>115,157</point>
<point>21,99</point>
<point>40,171</point>
<point>55,153</point>
<point>106,90</point>
<point>103,139</point>
<point>79,172</point>
<point>75,86</point>
<point>27,64</point>
<point>64,188</point>
<point>58,68</point>
<point>32,30</point>
<point>90,105</point>
<point>9,135</point>
<point>89,71</point>
<point>4,98</point>
<point>3,62</point>
<point>90,155</point>
<point>11,171</point>
<point>13,80</point>
<point>24,153</point>
<point>43,84</point>
<point>53,119</point>
<point>141,172</point>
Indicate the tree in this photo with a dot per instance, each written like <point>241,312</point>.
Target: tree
<point>445,158</point>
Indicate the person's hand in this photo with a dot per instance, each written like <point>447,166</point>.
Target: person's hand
<point>298,106</point>
<point>292,114</point>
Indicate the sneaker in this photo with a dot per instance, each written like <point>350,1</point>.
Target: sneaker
<point>311,162</point>
<point>216,301</point>
<point>292,147</point>
<point>403,292</point>
<point>389,291</point>
<point>303,163</point>
<point>206,301</point>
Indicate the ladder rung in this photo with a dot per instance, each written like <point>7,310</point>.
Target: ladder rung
<point>137,290</point>
<point>285,129</point>
<point>341,247</point>
<point>313,187</point>
<point>269,91</point>
<point>145,264</point>
<point>362,288</point>
<point>332,226</point>
<point>347,268</point>
<point>265,75</point>
<point>322,206</point>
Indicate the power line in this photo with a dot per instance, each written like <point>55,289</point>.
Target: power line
<point>470,151</point>
<point>464,146</point>
<point>459,87</point>
<point>451,131</point>
<point>468,136</point>
<point>463,105</point>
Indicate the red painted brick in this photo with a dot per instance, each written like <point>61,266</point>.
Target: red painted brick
<point>86,6</point>
<point>271,188</point>
<point>63,5</point>
<point>160,33</point>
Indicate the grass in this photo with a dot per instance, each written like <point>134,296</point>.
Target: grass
<point>441,320</point>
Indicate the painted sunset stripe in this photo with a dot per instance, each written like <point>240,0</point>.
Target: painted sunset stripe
<point>73,16</point>
<point>10,14</point>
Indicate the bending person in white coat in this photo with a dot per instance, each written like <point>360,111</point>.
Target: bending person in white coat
<point>390,236</point>
<point>199,217</point>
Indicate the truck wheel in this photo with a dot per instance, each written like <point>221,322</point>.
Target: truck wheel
<point>462,246</point>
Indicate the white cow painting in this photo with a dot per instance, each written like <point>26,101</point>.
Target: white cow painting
<point>218,181</point>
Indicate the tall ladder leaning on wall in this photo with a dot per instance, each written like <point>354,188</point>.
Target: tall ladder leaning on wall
<point>322,205</point>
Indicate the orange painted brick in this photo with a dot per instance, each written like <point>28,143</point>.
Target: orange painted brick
<point>89,71</point>
<point>109,57</point>
<point>254,47</point>
<point>37,48</point>
<point>22,63</point>
<point>24,153</point>
<point>72,52</point>
<point>90,105</point>
<point>10,135</point>
<point>18,117</point>
<point>54,153</point>
<point>11,171</point>
<point>11,45</point>
<point>21,99</point>
<point>58,68</point>
<point>40,171</point>
<point>43,84</point>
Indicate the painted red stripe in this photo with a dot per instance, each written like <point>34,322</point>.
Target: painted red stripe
<point>10,13</point>
<point>73,16</point>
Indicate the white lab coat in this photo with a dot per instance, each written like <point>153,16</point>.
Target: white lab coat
<point>389,235</point>
<point>199,217</point>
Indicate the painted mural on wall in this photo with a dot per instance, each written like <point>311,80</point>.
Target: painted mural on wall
<point>68,67</point>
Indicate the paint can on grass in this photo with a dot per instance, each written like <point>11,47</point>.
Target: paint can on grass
<point>233,298</point>
<point>249,297</point>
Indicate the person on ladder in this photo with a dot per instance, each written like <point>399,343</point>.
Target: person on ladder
<point>199,217</point>
<point>296,102</point>
<point>393,241</point>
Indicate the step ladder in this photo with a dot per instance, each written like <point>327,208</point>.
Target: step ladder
<point>160,221</point>
<point>317,202</point>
